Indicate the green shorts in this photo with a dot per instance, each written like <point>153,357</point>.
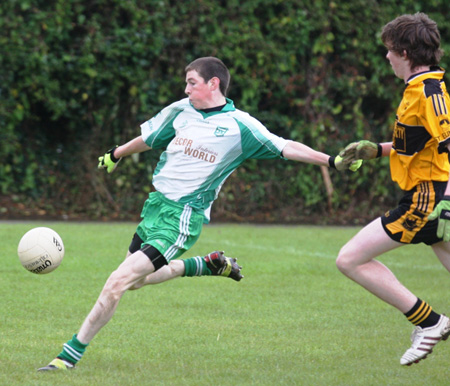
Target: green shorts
<point>170,227</point>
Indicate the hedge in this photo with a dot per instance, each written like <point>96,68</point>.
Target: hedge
<point>80,76</point>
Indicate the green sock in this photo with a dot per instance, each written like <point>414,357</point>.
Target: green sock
<point>196,266</point>
<point>73,350</point>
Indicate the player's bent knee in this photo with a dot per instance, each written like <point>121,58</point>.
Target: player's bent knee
<point>176,268</point>
<point>340,265</point>
<point>343,262</point>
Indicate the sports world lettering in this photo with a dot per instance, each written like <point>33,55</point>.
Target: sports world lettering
<point>182,141</point>
<point>200,152</point>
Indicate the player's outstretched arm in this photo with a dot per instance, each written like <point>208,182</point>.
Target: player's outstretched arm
<point>300,152</point>
<point>136,145</point>
<point>112,157</point>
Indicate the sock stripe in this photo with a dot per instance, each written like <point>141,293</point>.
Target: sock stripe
<point>72,352</point>
<point>199,265</point>
<point>194,266</point>
<point>417,315</point>
<point>422,312</point>
<point>422,316</point>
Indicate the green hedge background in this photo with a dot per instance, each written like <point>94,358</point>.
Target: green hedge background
<point>79,76</point>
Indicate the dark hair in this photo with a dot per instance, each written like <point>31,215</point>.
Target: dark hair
<point>210,67</point>
<point>416,34</point>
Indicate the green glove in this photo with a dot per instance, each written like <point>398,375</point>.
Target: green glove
<point>108,161</point>
<point>339,164</point>
<point>442,213</point>
<point>361,150</point>
<point>349,153</point>
<point>368,150</point>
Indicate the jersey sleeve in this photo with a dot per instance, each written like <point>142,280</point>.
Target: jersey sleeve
<point>158,131</point>
<point>437,118</point>
<point>257,141</point>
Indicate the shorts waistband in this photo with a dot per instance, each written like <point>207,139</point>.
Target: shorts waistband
<point>163,198</point>
<point>436,184</point>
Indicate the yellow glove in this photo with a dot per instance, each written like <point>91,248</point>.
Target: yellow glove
<point>339,164</point>
<point>108,161</point>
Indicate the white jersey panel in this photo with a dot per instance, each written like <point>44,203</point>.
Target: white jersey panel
<point>204,149</point>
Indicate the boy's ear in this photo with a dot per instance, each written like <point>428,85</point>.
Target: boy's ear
<point>214,82</point>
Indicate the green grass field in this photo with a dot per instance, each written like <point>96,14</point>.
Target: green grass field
<point>293,320</point>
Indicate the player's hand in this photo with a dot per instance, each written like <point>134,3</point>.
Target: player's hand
<point>364,150</point>
<point>339,163</point>
<point>349,153</point>
<point>442,213</point>
<point>368,150</point>
<point>108,161</point>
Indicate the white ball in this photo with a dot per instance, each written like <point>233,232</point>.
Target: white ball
<point>41,250</point>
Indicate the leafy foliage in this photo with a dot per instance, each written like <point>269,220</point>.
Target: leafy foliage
<point>80,76</point>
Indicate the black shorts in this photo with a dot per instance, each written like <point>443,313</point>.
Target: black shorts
<point>408,222</point>
<point>152,253</point>
<point>135,244</point>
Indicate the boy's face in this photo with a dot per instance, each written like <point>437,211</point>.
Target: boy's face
<point>197,90</point>
<point>400,64</point>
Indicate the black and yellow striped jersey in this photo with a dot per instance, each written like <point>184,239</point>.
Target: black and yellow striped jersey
<point>422,131</point>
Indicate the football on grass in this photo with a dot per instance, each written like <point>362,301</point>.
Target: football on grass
<point>41,250</point>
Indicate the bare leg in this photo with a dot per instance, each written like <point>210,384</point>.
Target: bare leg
<point>174,269</point>
<point>442,251</point>
<point>356,260</point>
<point>135,267</point>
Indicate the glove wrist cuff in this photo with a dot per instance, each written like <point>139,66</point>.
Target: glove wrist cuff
<point>380,150</point>
<point>111,154</point>
<point>331,162</point>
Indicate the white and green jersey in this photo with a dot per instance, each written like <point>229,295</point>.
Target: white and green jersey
<point>203,149</point>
